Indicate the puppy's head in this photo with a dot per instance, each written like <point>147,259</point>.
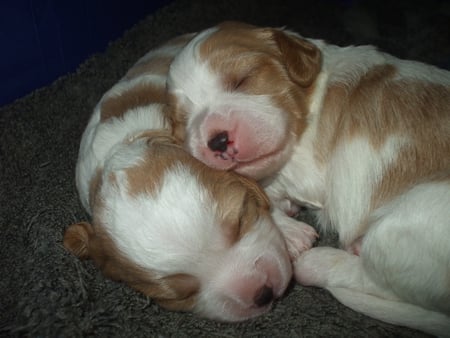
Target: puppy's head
<point>240,94</point>
<point>189,236</point>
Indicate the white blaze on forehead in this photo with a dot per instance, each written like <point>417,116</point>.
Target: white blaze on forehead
<point>170,231</point>
<point>190,77</point>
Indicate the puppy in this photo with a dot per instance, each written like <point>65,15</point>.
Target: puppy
<point>191,237</point>
<point>361,137</point>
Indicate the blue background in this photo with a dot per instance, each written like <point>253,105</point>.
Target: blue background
<point>41,40</point>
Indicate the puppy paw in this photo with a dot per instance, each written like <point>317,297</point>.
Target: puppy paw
<point>289,208</point>
<point>299,237</point>
<point>315,267</point>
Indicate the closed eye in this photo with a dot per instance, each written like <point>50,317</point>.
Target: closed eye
<point>235,82</point>
<point>240,82</point>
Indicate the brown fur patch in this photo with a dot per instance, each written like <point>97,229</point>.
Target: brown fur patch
<point>76,239</point>
<point>174,292</point>
<point>162,154</point>
<point>351,110</point>
<point>241,201</point>
<point>421,112</point>
<point>144,94</point>
<point>264,61</point>
<point>167,290</point>
<point>379,106</point>
<point>140,95</point>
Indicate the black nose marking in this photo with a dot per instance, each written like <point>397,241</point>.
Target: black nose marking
<point>219,142</point>
<point>264,296</point>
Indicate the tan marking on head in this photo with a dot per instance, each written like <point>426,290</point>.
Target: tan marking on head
<point>174,292</point>
<point>241,201</point>
<point>140,95</point>
<point>161,155</point>
<point>264,61</point>
<point>303,60</point>
<point>166,290</point>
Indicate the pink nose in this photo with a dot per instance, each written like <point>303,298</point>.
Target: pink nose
<point>264,296</point>
<point>219,142</point>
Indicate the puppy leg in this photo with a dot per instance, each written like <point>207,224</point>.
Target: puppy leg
<point>407,247</point>
<point>402,273</point>
<point>344,275</point>
<point>299,236</point>
<point>329,267</point>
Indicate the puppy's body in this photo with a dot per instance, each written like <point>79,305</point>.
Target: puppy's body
<point>360,136</point>
<point>192,238</point>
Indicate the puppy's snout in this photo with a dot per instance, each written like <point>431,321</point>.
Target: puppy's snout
<point>264,296</point>
<point>219,142</point>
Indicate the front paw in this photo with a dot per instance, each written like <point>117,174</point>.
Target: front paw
<point>298,236</point>
<point>300,239</point>
<point>322,266</point>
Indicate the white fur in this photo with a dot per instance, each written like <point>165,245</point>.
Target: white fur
<point>403,272</point>
<point>177,227</point>
<point>99,138</point>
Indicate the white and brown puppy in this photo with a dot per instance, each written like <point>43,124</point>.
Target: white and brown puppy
<point>193,238</point>
<point>357,134</point>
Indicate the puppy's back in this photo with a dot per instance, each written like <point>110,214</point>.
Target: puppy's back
<point>135,104</point>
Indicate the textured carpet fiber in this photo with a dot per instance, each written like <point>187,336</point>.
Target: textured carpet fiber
<point>46,292</point>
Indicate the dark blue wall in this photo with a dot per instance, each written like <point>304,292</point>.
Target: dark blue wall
<point>41,40</point>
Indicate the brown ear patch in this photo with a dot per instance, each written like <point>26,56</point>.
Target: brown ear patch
<point>303,60</point>
<point>175,292</point>
<point>76,239</point>
<point>242,202</point>
<point>256,191</point>
<point>176,117</point>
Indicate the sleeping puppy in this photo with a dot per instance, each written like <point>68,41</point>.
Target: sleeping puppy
<point>361,137</point>
<point>191,237</point>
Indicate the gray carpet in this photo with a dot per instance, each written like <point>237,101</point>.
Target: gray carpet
<point>46,292</point>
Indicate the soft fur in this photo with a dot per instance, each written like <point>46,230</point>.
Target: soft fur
<point>358,135</point>
<point>191,237</point>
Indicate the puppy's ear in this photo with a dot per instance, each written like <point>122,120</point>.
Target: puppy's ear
<point>303,59</point>
<point>256,191</point>
<point>176,117</point>
<point>77,237</point>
